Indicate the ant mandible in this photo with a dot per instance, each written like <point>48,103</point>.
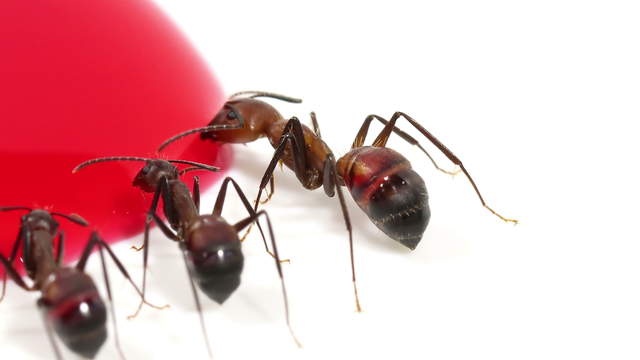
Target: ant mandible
<point>69,302</point>
<point>380,179</point>
<point>210,246</point>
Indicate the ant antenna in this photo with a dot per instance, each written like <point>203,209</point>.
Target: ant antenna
<point>197,130</point>
<point>113,158</point>
<point>75,218</point>
<point>254,94</point>
<point>186,170</point>
<point>134,158</point>
<point>195,164</point>
<point>11,208</point>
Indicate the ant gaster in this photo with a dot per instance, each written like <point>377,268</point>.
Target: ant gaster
<point>380,179</point>
<point>69,302</point>
<point>210,246</point>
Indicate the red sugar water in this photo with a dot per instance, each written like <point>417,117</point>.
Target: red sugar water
<point>86,79</point>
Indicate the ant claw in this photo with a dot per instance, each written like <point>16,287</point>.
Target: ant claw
<point>137,248</point>
<point>134,315</point>
<point>452,173</point>
<point>514,221</point>
<point>281,261</point>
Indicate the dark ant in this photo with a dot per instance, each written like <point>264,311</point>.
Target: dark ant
<point>69,302</point>
<point>210,246</point>
<point>380,179</point>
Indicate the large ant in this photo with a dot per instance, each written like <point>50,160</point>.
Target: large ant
<point>210,246</point>
<point>69,302</point>
<point>380,179</point>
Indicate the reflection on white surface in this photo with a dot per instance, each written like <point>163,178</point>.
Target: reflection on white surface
<point>536,99</point>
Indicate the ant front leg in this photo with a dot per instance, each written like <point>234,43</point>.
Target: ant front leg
<point>196,192</point>
<point>12,257</point>
<point>382,138</point>
<point>163,186</point>
<point>293,135</point>
<point>270,192</point>
<point>60,249</point>
<point>254,218</point>
<point>217,209</point>
<point>362,135</point>
<point>13,274</point>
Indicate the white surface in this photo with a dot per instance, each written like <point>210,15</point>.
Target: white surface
<point>538,99</point>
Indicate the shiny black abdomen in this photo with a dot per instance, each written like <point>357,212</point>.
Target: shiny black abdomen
<point>78,315</point>
<point>399,207</point>
<point>385,187</point>
<point>215,257</point>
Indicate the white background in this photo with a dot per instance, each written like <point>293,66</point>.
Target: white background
<point>539,100</point>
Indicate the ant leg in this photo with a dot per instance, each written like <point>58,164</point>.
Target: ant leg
<point>362,134</point>
<point>293,134</point>
<point>152,209</point>
<point>316,127</point>
<point>330,181</point>
<point>196,298</point>
<point>145,256</point>
<point>95,240</point>
<point>262,202</point>
<point>12,257</point>
<point>60,249</point>
<point>49,331</point>
<point>254,218</point>
<point>13,274</point>
<point>222,194</point>
<point>145,245</point>
<point>382,138</point>
<point>196,192</point>
<point>270,192</point>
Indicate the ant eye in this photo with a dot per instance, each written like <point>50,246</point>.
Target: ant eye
<point>145,170</point>
<point>232,115</point>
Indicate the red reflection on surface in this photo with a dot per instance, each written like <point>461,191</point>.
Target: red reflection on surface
<point>86,79</point>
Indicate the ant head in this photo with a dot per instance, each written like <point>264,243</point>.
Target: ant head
<point>153,171</point>
<point>244,120</point>
<point>148,178</point>
<point>40,220</point>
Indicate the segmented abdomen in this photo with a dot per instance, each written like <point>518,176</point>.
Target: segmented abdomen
<point>385,187</point>
<point>74,308</point>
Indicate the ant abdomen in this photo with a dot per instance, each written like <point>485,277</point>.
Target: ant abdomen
<point>73,306</point>
<point>215,257</point>
<point>385,187</point>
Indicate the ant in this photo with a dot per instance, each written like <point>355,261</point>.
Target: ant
<point>210,246</point>
<point>380,180</point>
<point>69,301</point>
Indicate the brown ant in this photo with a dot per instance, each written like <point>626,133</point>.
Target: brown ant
<point>69,302</point>
<point>210,246</point>
<point>380,179</point>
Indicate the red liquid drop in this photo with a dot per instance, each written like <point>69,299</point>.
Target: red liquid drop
<point>86,79</point>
